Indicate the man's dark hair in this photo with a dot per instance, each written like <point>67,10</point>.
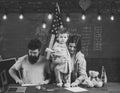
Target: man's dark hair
<point>77,40</point>
<point>34,44</point>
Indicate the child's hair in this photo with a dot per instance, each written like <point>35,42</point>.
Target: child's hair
<point>62,31</point>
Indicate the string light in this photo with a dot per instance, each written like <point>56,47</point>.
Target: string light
<point>83,17</point>
<point>44,25</point>
<point>49,16</point>
<point>112,18</point>
<point>4,17</point>
<point>67,19</point>
<point>99,18</point>
<point>21,16</point>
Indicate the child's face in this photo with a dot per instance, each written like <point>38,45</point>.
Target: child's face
<point>62,38</point>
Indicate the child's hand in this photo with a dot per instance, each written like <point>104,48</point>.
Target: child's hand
<point>49,50</point>
<point>63,60</point>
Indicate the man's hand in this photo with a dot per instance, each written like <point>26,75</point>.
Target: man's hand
<point>74,84</point>
<point>46,81</point>
<point>19,82</point>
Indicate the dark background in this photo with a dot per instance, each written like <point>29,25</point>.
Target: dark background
<point>15,34</point>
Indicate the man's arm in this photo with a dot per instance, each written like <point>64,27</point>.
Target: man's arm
<point>13,71</point>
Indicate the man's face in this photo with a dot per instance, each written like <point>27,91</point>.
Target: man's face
<point>33,55</point>
<point>72,48</point>
<point>62,38</point>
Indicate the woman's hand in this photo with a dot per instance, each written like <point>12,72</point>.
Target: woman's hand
<point>74,84</point>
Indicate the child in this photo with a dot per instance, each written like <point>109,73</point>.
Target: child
<point>61,59</point>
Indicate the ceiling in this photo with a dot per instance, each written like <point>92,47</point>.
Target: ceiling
<point>66,6</point>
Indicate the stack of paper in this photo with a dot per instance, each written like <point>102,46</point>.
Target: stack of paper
<point>76,89</point>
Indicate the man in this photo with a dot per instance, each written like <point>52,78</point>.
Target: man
<point>78,61</point>
<point>34,66</point>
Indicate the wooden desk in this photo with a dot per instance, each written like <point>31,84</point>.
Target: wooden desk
<point>109,88</point>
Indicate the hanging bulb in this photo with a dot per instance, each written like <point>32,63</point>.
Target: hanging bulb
<point>4,17</point>
<point>68,19</point>
<point>44,25</point>
<point>21,16</point>
<point>83,17</point>
<point>112,18</point>
<point>99,18</point>
<point>49,16</point>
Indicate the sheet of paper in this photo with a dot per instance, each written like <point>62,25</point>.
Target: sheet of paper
<point>21,89</point>
<point>29,85</point>
<point>76,89</point>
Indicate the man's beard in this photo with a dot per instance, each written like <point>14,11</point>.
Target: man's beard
<point>33,59</point>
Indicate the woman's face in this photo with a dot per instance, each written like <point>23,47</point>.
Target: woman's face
<point>72,48</point>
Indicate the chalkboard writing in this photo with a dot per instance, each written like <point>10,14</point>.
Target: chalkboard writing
<point>97,45</point>
<point>74,31</point>
<point>86,38</point>
<point>91,37</point>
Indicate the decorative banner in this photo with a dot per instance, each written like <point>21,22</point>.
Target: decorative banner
<point>84,4</point>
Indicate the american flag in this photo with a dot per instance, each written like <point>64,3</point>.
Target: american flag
<point>57,20</point>
<point>56,24</point>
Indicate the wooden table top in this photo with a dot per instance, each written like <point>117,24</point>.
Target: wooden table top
<point>51,88</point>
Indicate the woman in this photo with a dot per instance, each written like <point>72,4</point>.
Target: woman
<point>78,61</point>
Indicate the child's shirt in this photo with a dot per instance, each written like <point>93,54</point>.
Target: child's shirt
<point>63,57</point>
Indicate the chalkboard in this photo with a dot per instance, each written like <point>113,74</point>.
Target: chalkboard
<point>91,37</point>
<point>99,39</point>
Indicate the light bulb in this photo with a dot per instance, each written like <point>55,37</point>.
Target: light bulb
<point>68,19</point>
<point>83,17</point>
<point>4,17</point>
<point>44,25</point>
<point>112,18</point>
<point>21,16</point>
<point>49,16</point>
<point>99,18</point>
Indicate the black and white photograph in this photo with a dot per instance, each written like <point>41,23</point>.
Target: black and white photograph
<point>59,46</point>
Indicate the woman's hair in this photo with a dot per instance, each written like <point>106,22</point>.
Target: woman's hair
<point>34,44</point>
<point>77,40</point>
